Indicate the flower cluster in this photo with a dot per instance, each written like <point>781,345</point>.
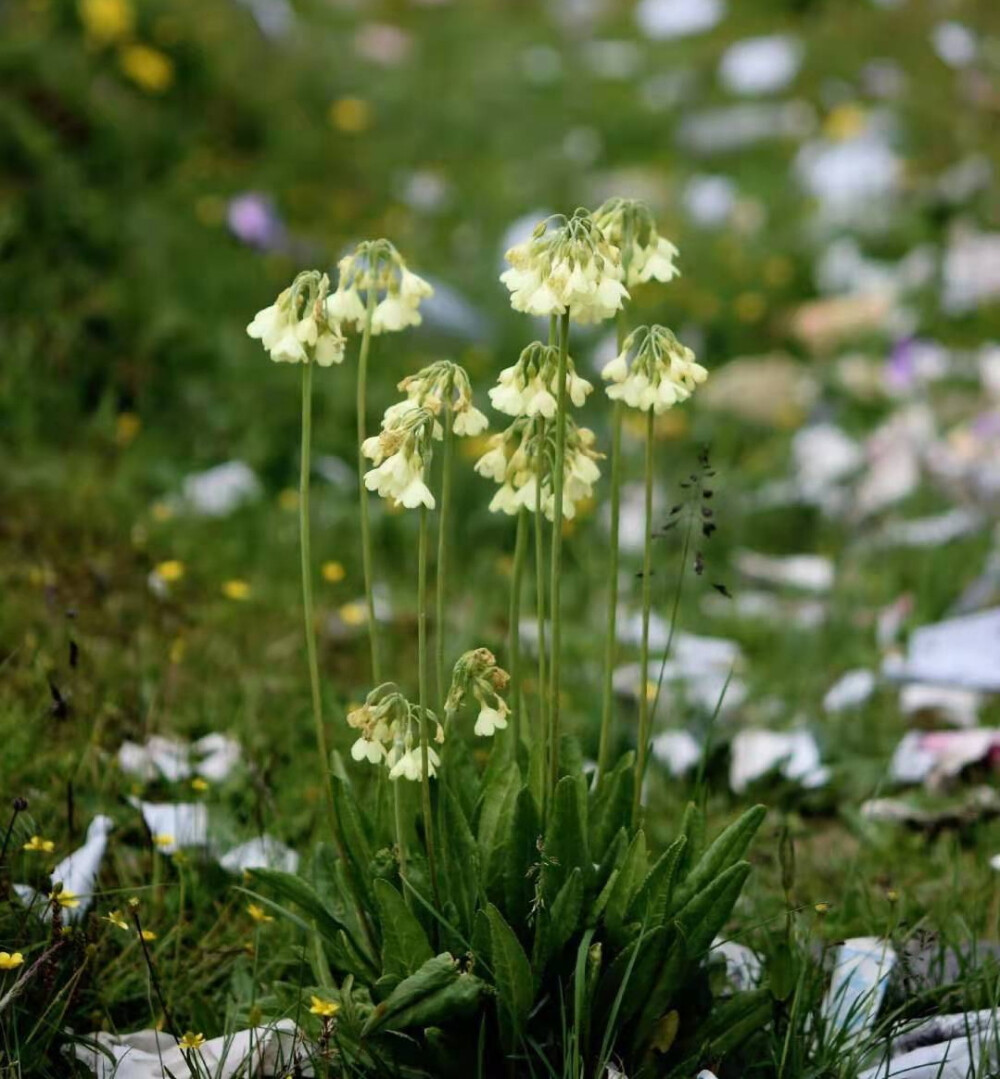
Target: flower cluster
<point>521,459</point>
<point>389,734</point>
<point>392,292</point>
<point>662,372</point>
<point>531,386</point>
<point>401,453</point>
<point>568,265</point>
<point>477,674</point>
<point>646,255</point>
<point>446,385</point>
<point>298,326</point>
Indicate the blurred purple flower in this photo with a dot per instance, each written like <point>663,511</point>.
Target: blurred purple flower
<point>253,220</point>
<point>901,368</point>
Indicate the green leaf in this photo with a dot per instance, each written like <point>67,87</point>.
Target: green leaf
<point>728,1025</point>
<point>636,967</point>
<point>781,972</point>
<point>436,993</point>
<point>357,845</point>
<point>559,922</point>
<point>459,858</point>
<point>611,805</point>
<point>499,798</point>
<point>707,912</point>
<point>566,836</point>
<point>405,947</point>
<point>513,978</point>
<point>631,873</point>
<point>727,849</point>
<point>611,859</point>
<point>521,847</point>
<point>650,901</point>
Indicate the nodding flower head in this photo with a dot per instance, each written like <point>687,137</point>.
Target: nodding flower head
<point>567,265</point>
<point>646,255</point>
<point>401,454</point>
<point>477,675</point>
<point>531,386</point>
<point>522,461</point>
<point>298,326</point>
<point>444,386</point>
<point>390,290</point>
<point>653,371</point>
<point>388,727</point>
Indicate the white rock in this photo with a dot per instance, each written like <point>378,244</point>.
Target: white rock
<point>931,531</point>
<point>971,271</point>
<point>264,852</point>
<point>736,127</point>
<point>709,199</point>
<point>956,707</point>
<point>823,456</point>
<point>677,751</point>
<point>851,690</point>
<point>955,43</point>
<point>761,65</point>
<point>755,753</point>
<point>851,179</point>
<point>220,490</point>
<point>256,1053</point>
<point>219,755</point>
<point>175,825</point>
<point>664,19</point>
<point>78,871</point>
<point>957,652</point>
<point>743,965</point>
<point>858,984</point>
<point>806,572</point>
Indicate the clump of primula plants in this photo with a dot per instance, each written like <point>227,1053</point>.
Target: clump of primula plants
<point>505,918</point>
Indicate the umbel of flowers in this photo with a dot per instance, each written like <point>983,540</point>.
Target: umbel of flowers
<point>522,460</point>
<point>530,387</point>
<point>653,370</point>
<point>645,254</point>
<point>567,266</point>
<point>477,675</point>
<point>375,283</point>
<point>445,385</point>
<point>389,727</point>
<point>298,326</point>
<point>401,454</point>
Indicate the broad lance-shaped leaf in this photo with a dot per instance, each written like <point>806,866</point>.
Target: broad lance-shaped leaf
<point>512,975</point>
<point>566,836</point>
<point>636,967</point>
<point>697,925</point>
<point>630,876</point>
<point>693,828</point>
<point>459,858</point>
<point>357,845</point>
<point>727,849</point>
<point>727,1026</point>
<point>559,922</point>
<point>611,805</point>
<point>521,846</point>
<point>499,799</point>
<point>611,860</point>
<point>439,991</point>
<point>405,947</point>
<point>651,899</point>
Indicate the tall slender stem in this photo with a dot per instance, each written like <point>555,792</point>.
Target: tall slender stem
<point>442,550</point>
<point>543,686</point>
<point>610,637</point>
<point>307,594</point>
<point>556,565</point>
<point>425,733</point>
<point>647,589</point>
<point>366,538</point>
<point>514,626</point>
<point>397,805</point>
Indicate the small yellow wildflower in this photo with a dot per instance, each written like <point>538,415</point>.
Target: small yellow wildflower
<point>892,895</point>
<point>258,913</point>
<point>117,919</point>
<point>127,426</point>
<point>333,572</point>
<point>846,121</point>
<point>822,908</point>
<point>191,1041</point>
<point>107,21</point>
<point>236,589</point>
<point>353,614</point>
<point>200,785</point>
<point>170,571</point>
<point>288,500</point>
<point>352,115</point>
<point>10,960</point>
<point>164,840</point>
<point>39,845</point>
<point>325,1008</point>
<point>150,69</point>
<point>65,898</point>
<point>177,649</point>
<point>147,935</point>
<point>161,511</point>
<point>133,902</point>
